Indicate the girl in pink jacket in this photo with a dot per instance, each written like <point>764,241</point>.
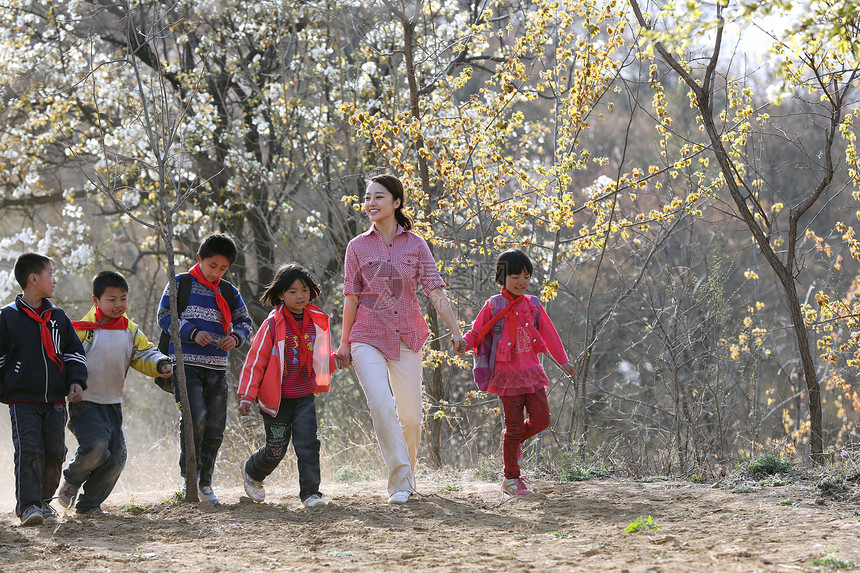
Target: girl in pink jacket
<point>517,329</point>
<point>290,360</point>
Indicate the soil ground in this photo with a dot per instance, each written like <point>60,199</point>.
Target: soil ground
<point>455,525</point>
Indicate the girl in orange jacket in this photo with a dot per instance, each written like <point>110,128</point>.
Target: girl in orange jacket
<point>290,360</point>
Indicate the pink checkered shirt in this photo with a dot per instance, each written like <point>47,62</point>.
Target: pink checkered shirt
<point>385,279</point>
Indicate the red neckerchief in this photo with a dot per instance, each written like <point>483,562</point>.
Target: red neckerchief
<point>304,354</point>
<point>118,323</point>
<point>512,326</point>
<point>226,314</point>
<point>45,334</point>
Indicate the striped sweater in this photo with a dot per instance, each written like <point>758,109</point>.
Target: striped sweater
<point>202,314</point>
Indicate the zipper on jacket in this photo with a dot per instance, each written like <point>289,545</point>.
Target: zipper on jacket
<point>45,360</point>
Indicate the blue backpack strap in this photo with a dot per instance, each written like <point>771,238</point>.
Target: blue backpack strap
<point>498,305</point>
<point>535,302</point>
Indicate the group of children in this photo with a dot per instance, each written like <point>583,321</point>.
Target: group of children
<point>45,358</point>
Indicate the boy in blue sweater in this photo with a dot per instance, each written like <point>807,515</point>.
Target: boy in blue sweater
<point>41,362</point>
<point>213,322</point>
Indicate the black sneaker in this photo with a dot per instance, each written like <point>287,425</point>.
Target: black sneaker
<point>48,512</point>
<point>32,516</point>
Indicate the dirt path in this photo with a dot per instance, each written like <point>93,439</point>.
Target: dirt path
<point>455,526</point>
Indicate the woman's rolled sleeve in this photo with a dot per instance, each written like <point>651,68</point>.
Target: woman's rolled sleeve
<point>428,274</point>
<point>352,280</point>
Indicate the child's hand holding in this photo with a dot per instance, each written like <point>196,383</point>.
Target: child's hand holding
<point>203,338</point>
<point>569,369</point>
<point>229,342</point>
<point>244,408</point>
<point>166,370</point>
<point>345,356</point>
<point>459,344</point>
<point>76,393</point>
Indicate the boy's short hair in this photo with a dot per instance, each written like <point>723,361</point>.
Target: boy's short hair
<point>106,279</point>
<point>30,263</point>
<point>218,244</point>
<point>512,262</point>
<point>284,279</point>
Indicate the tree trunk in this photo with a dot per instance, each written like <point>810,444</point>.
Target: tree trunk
<point>179,373</point>
<point>435,389</point>
<point>783,270</point>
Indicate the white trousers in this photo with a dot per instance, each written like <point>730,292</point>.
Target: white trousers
<point>393,392</point>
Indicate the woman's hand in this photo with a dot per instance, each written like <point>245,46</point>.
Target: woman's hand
<point>458,343</point>
<point>343,356</point>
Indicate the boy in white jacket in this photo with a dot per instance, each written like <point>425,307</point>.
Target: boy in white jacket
<point>112,343</point>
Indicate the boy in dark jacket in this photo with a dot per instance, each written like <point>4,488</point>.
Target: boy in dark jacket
<point>41,361</point>
<point>213,322</point>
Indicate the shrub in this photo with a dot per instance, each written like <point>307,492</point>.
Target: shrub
<point>833,562</point>
<point>571,467</point>
<point>745,489</point>
<point>641,524</point>
<point>768,465</point>
<point>487,468</point>
<point>352,474</point>
<point>831,486</point>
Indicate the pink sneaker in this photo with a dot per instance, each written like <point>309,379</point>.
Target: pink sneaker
<point>515,486</point>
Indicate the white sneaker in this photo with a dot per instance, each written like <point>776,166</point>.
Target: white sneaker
<point>399,498</point>
<point>315,501</point>
<point>254,488</point>
<point>206,493</point>
<point>67,494</point>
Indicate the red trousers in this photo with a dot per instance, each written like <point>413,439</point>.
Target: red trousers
<point>518,429</point>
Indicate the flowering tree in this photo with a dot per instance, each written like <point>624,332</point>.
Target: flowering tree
<point>775,216</point>
<point>258,135</point>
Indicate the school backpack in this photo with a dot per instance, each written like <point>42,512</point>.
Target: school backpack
<point>485,351</point>
<point>183,293</point>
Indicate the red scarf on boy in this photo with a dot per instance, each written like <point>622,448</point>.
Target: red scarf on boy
<point>226,314</point>
<point>304,353</point>
<point>512,324</point>
<point>118,323</point>
<point>45,334</point>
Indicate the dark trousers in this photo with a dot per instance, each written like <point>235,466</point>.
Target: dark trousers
<point>101,452</point>
<point>517,430</point>
<point>207,393</point>
<point>296,419</point>
<point>39,437</point>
